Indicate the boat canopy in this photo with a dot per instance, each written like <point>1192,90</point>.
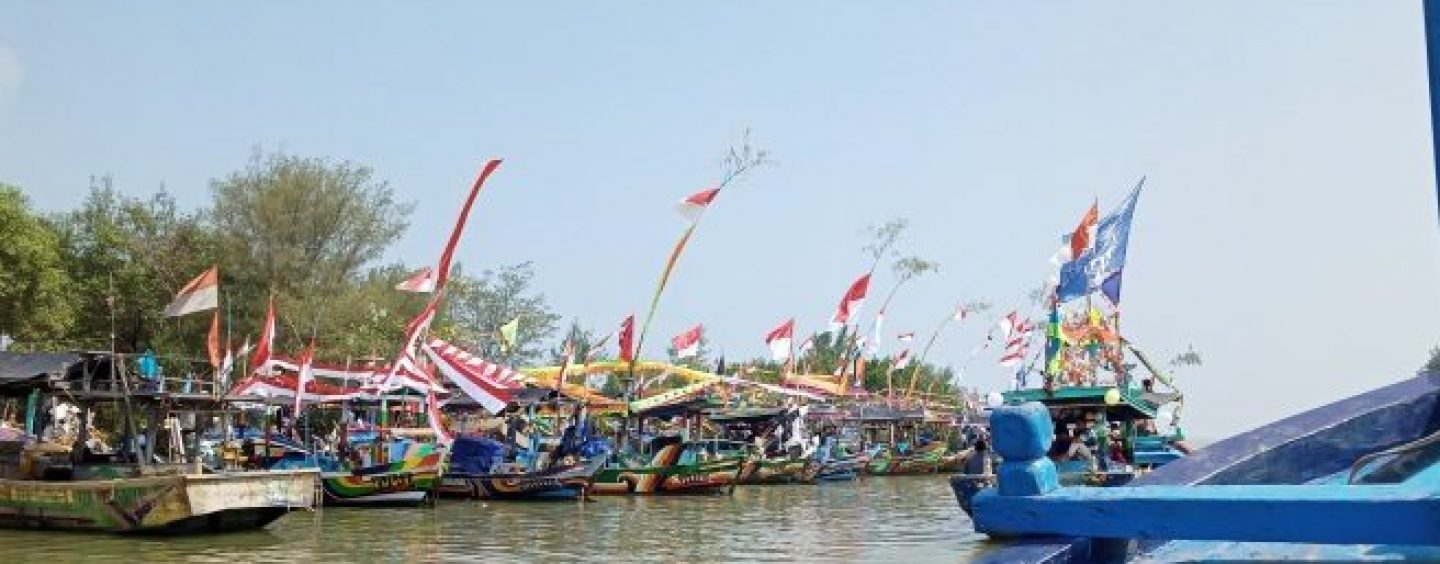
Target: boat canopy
<point>1131,404</point>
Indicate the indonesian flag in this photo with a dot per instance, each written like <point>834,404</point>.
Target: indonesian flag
<point>422,282</point>
<point>687,344</point>
<point>906,337</point>
<point>260,362</point>
<point>1009,324</point>
<point>695,204</point>
<point>779,340</point>
<point>808,344</point>
<point>854,298</point>
<point>627,339</point>
<point>305,376</point>
<point>212,341</point>
<point>1017,337</point>
<point>901,360</point>
<point>200,294</point>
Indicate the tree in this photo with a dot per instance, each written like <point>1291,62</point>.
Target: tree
<point>881,238</point>
<point>302,227</point>
<point>583,338</point>
<point>128,256</point>
<point>476,307</point>
<point>34,289</point>
<point>1433,365</point>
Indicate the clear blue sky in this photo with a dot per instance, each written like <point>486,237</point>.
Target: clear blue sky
<point>1288,229</point>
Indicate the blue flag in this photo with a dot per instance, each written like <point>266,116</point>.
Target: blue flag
<point>1112,236</point>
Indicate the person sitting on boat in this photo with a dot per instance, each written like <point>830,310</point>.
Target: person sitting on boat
<point>1067,447</point>
<point>977,461</point>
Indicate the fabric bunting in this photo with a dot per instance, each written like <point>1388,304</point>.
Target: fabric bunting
<point>490,385</point>
<point>422,282</point>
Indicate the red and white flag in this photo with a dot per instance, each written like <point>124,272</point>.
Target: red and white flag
<point>901,360</point>
<point>687,344</point>
<point>807,345</point>
<point>422,282</point>
<point>260,361</point>
<point>1017,339</point>
<point>851,302</point>
<point>436,420</point>
<point>906,337</point>
<point>305,376</point>
<point>627,339</point>
<point>491,385</point>
<point>202,293</point>
<point>695,204</point>
<point>1084,234</point>
<point>779,340</point>
<point>1009,324</point>
<point>879,326</point>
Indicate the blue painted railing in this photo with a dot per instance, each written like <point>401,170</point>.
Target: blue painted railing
<point>1030,501</point>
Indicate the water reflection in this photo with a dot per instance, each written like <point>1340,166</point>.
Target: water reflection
<point>879,519</point>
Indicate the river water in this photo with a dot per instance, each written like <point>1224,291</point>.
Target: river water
<point>895,519</point>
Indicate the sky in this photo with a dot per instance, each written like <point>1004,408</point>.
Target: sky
<point>1287,230</point>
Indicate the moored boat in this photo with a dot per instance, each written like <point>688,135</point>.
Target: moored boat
<point>676,467</point>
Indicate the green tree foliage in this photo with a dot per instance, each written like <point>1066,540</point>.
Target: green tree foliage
<point>133,253</point>
<point>302,228</point>
<point>583,338</point>
<point>34,300</point>
<point>1433,365</point>
<point>476,307</point>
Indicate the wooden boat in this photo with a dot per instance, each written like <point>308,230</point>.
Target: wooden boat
<point>885,461</point>
<point>410,481</point>
<point>474,473</point>
<point>58,487</point>
<point>781,458</point>
<point>762,471</point>
<point>676,467</point>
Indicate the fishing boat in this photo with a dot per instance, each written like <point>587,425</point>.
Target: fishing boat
<point>777,441</point>
<point>900,441</point>
<point>477,471</point>
<point>674,467</point>
<point>141,488</point>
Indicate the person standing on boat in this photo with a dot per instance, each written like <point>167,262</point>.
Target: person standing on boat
<point>977,461</point>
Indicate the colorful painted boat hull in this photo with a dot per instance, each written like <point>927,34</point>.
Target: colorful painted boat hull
<point>839,470</point>
<point>407,482</point>
<point>665,476</point>
<point>782,471</point>
<point>560,483</point>
<point>172,504</point>
<point>890,465</point>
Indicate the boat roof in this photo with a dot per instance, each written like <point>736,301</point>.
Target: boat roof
<point>744,414</point>
<point>20,373</point>
<point>1132,405</point>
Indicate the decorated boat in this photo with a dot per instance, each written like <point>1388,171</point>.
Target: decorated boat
<point>143,487</point>
<point>777,442</point>
<point>674,467</point>
<point>476,471</point>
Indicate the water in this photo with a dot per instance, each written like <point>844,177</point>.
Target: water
<point>896,519</point>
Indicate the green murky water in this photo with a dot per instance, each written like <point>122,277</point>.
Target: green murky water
<point>895,519</point>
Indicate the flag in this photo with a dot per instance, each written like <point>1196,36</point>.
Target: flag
<point>200,294</point>
<point>227,365</point>
<point>260,362</point>
<point>627,339</point>
<point>442,272</point>
<point>1080,238</point>
<point>1107,255</point>
<point>808,344</point>
<point>851,302</point>
<point>422,282</point>
<point>1009,323</point>
<point>507,333</point>
<point>901,360</point>
<point>1111,287</point>
<point>1017,344</point>
<point>906,337</point>
<point>960,313</point>
<point>212,341</point>
<point>779,340</point>
<point>695,204</point>
<point>875,341</point>
<point>565,364</point>
<point>306,374</point>
<point>687,344</point>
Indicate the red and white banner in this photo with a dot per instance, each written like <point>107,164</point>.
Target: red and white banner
<point>695,204</point>
<point>906,336</point>
<point>1017,338</point>
<point>491,385</point>
<point>283,386</point>
<point>260,361</point>
<point>687,344</point>
<point>779,340</point>
<point>305,375</point>
<point>436,420</point>
<point>901,360</point>
<point>851,302</point>
<point>201,294</point>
